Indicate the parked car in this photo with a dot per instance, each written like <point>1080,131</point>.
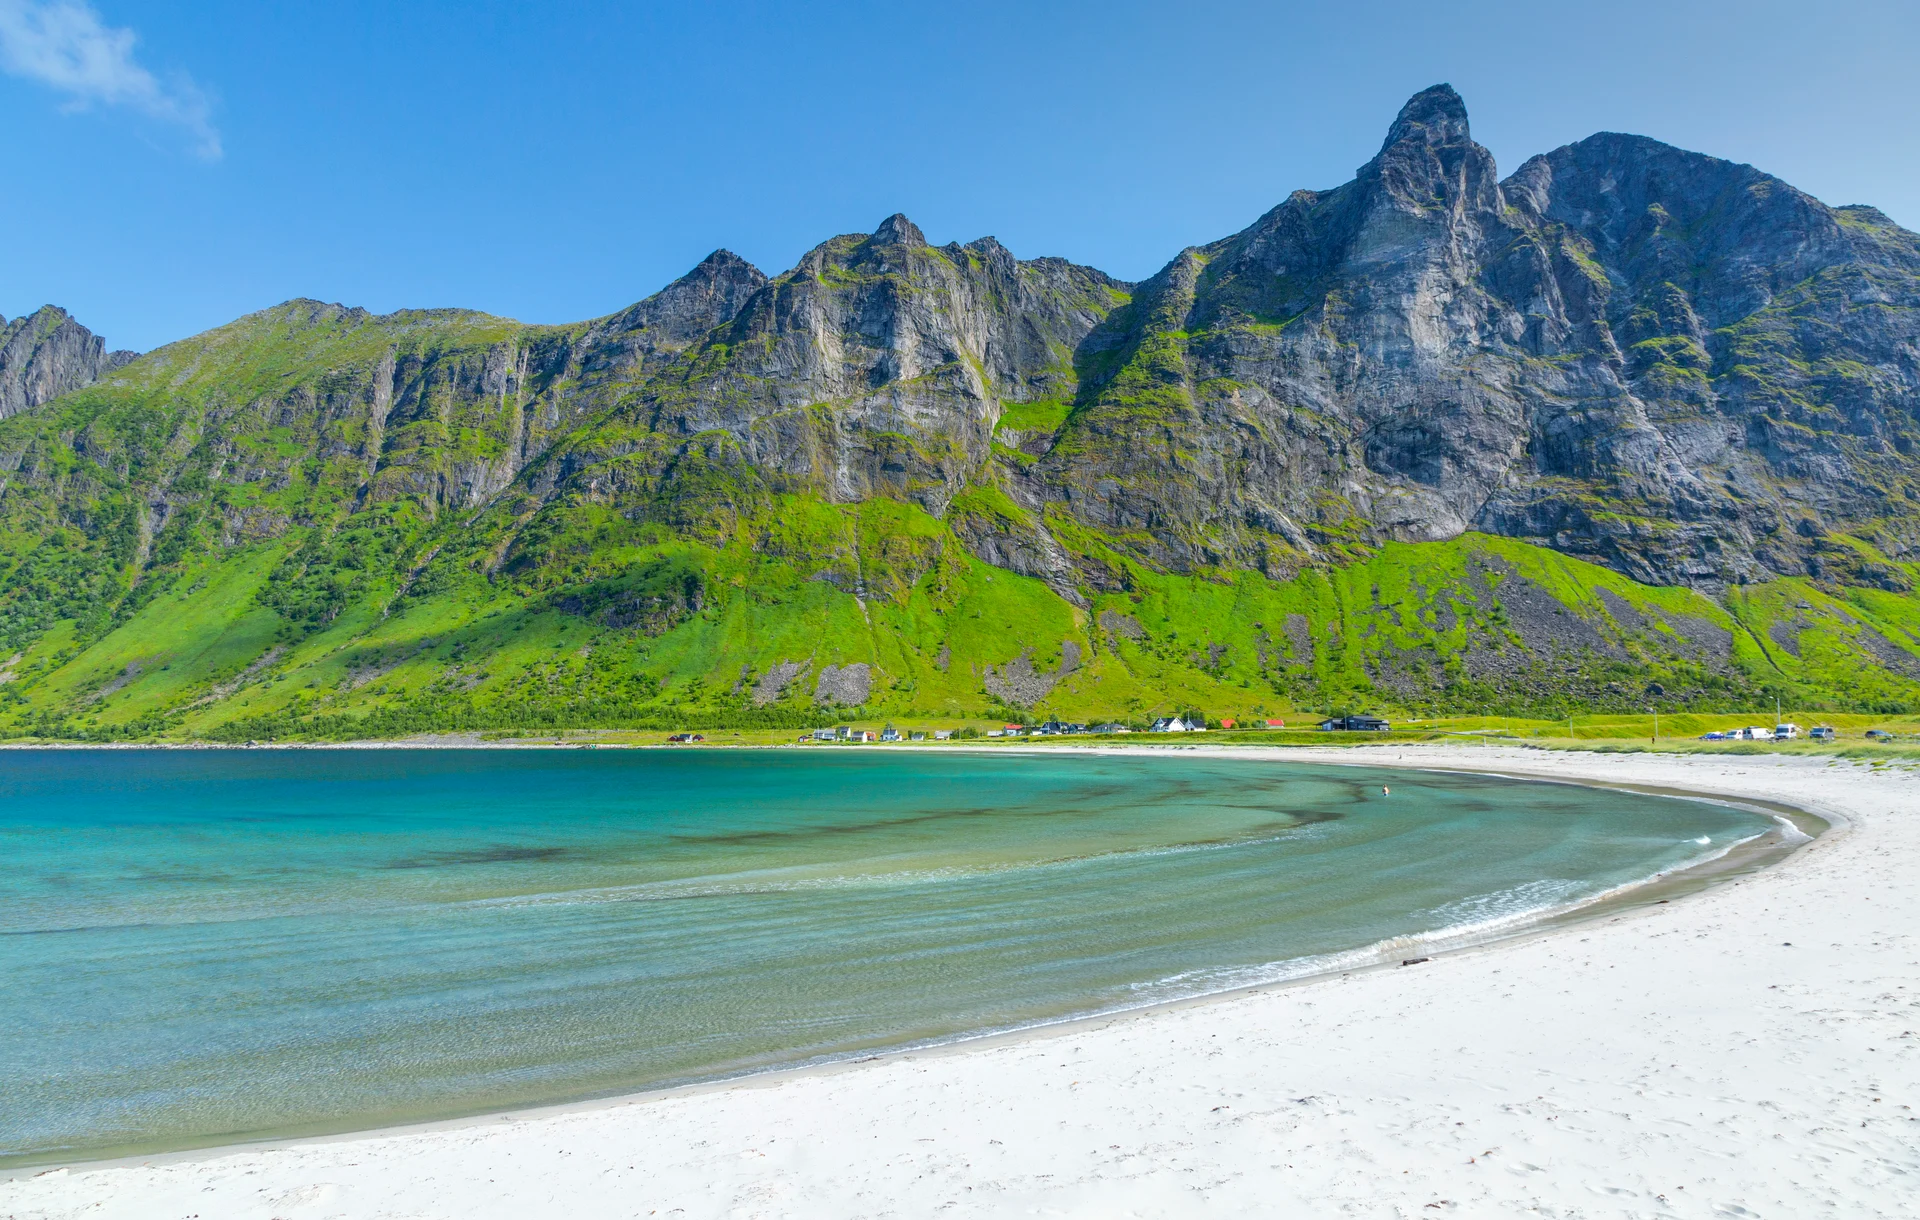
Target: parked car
<point>1879,735</point>
<point>1821,732</point>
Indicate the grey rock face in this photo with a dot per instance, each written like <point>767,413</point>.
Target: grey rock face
<point>674,318</point>
<point>1017,682</point>
<point>880,365</point>
<point>1651,358</point>
<point>1674,365</point>
<point>845,685</point>
<point>775,681</point>
<point>47,354</point>
<point>447,407</point>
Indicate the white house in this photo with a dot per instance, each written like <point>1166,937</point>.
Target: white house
<point>1175,724</point>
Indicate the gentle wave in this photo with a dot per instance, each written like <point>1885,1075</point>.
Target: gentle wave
<point>1199,984</point>
<point>1498,913</point>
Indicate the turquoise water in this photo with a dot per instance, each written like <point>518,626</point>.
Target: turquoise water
<point>201,945</point>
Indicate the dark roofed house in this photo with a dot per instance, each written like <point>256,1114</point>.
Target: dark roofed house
<point>1355,724</point>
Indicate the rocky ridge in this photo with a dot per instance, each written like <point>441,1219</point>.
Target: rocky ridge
<point>46,354</point>
<point>1670,365</point>
<point>1674,365</point>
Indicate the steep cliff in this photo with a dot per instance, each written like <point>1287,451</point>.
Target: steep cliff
<point>1674,365</point>
<point>47,354</point>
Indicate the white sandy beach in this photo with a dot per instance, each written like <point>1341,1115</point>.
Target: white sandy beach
<point>1750,1051</point>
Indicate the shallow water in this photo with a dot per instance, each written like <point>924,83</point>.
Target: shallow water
<point>201,945</point>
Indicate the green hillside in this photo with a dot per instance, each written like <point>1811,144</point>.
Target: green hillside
<point>606,624</point>
<point>222,542</point>
<point>941,483</point>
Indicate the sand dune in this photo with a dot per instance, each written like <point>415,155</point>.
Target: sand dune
<point>1750,1051</point>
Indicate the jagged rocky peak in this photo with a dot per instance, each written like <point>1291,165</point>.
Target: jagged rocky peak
<point>1627,351</point>
<point>1434,116</point>
<point>1429,157</point>
<point>897,230</point>
<point>710,295</point>
<point>46,354</point>
<point>902,353</point>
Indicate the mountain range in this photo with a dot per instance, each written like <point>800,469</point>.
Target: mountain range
<point>1631,427</point>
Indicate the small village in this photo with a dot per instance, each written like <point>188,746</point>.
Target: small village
<point>1190,722</point>
<point>1349,726</point>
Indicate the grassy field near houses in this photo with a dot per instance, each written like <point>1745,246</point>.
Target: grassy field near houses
<point>1680,733</point>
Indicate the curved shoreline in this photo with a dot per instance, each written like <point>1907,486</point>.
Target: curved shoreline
<point>1762,852</point>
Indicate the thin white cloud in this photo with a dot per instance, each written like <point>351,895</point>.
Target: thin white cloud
<point>64,45</point>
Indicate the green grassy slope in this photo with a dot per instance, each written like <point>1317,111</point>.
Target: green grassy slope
<point>664,631</point>
<point>316,522</point>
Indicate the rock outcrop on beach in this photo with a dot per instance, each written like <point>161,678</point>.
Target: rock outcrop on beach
<point>1630,424</point>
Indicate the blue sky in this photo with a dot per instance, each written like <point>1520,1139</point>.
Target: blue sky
<point>174,166</point>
